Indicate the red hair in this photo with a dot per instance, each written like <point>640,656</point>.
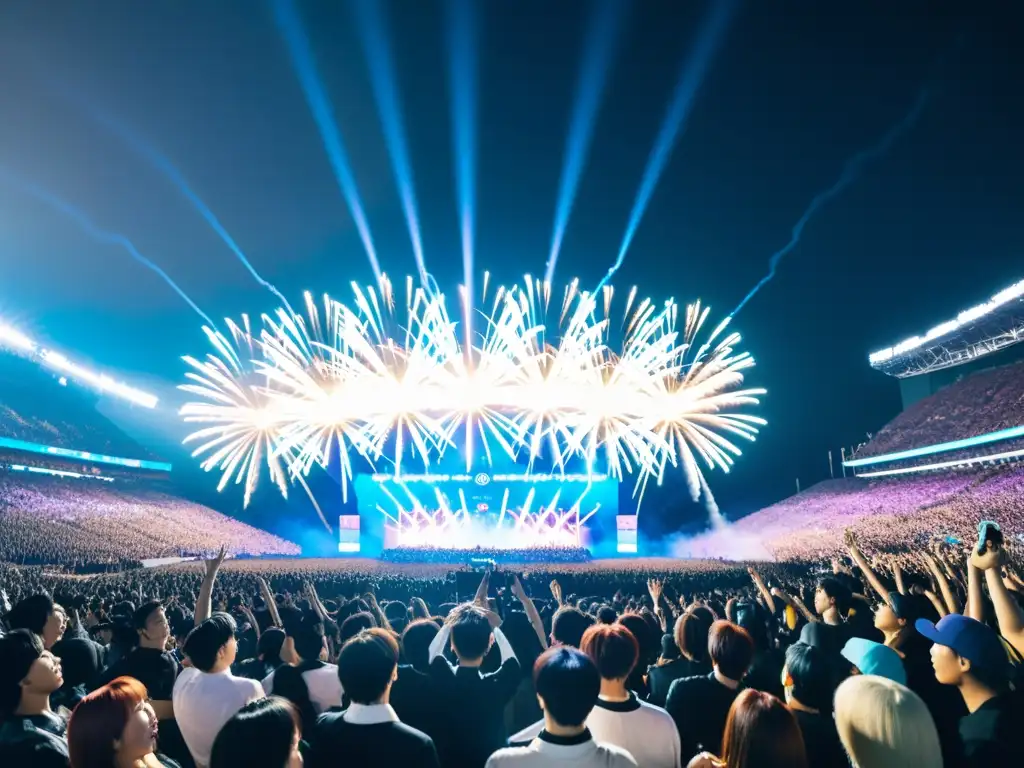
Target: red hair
<point>761,732</point>
<point>613,648</point>
<point>99,720</point>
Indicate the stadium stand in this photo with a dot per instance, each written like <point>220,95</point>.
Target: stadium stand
<point>984,402</point>
<point>86,515</point>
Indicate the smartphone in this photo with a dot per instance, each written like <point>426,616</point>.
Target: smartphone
<point>989,532</point>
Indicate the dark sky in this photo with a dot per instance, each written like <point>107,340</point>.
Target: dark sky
<point>931,228</point>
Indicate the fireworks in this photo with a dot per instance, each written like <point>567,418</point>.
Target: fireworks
<point>402,384</point>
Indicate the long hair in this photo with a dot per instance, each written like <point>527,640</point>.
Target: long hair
<point>761,732</point>
<point>258,735</point>
<point>883,724</point>
<point>99,720</point>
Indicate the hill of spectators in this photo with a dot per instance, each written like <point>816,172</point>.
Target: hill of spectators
<point>983,402</point>
<point>891,514</point>
<point>78,522</point>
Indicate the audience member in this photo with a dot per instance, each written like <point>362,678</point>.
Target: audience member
<point>265,733</point>
<point>115,727</point>
<point>883,724</point>
<point>568,684</point>
<point>369,731</point>
<point>30,733</point>
<point>759,733</point>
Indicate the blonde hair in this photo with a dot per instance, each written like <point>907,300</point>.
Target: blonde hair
<point>883,724</point>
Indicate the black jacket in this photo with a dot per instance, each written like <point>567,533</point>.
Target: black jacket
<point>335,742</point>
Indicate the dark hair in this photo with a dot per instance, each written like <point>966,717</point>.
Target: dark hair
<point>568,682</point>
<point>416,639</point>
<point>19,650</point>
<point>613,648</point>
<point>691,635</point>
<point>269,646</point>
<point>731,649</point>
<point>99,720</point>
<point>142,613</point>
<point>569,624</point>
<point>259,734</point>
<point>356,623</point>
<point>471,631</point>
<point>836,590</point>
<point>205,641</point>
<point>636,624</point>
<point>761,733</point>
<point>814,678</point>
<point>366,665</point>
<point>606,615</point>
<point>32,613</point>
<point>308,637</point>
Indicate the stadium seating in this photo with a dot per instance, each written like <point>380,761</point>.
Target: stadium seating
<point>888,514</point>
<point>89,522</point>
<point>983,402</point>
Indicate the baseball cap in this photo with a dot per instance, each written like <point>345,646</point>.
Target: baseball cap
<point>969,638</point>
<point>875,659</point>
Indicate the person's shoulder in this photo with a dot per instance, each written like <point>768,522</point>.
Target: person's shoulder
<point>408,733</point>
<point>653,711</point>
<point>187,676</point>
<point>510,756</point>
<point>683,684</point>
<point>615,756</point>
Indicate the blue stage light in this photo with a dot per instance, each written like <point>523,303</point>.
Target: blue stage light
<point>597,58</point>
<point>371,24</point>
<point>290,26</point>
<point>695,67</point>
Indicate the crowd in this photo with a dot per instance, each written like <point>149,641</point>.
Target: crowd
<point>982,402</point>
<point>35,408</point>
<point>493,554</point>
<point>871,660</point>
<point>890,514</point>
<point>85,522</point>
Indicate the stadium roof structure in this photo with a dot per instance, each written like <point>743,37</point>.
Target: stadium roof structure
<point>16,341</point>
<point>978,331</point>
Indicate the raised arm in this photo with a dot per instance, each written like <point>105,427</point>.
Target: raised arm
<point>865,566</point>
<point>769,599</point>
<point>531,612</point>
<point>1008,612</point>
<point>204,605</point>
<point>796,602</point>
<point>952,603</point>
<point>268,598</point>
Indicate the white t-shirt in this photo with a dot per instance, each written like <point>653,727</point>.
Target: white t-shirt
<point>645,731</point>
<point>204,701</point>
<point>542,754</point>
<point>323,683</point>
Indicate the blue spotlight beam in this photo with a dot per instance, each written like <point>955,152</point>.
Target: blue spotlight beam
<point>163,164</point>
<point>372,28</point>
<point>597,57</point>
<point>95,232</point>
<point>851,172</point>
<point>691,76</point>
<point>462,47</point>
<point>290,26</point>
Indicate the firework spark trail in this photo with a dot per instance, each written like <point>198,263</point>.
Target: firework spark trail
<point>163,164</point>
<point>369,18</point>
<point>95,232</point>
<point>654,404</point>
<point>695,67</point>
<point>462,69</point>
<point>290,26</point>
<point>597,57</point>
<point>851,172</point>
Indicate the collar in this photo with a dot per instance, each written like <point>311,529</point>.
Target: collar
<point>369,714</point>
<point>629,705</point>
<point>565,741</point>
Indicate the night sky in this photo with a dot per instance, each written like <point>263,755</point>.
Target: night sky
<point>796,88</point>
